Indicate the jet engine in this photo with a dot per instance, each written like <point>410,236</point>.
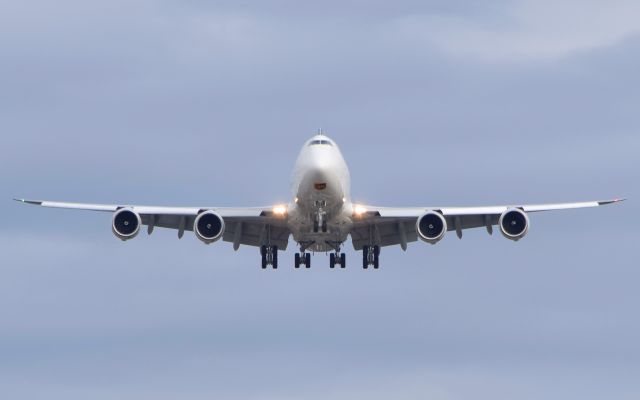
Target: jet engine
<point>514,224</point>
<point>431,227</point>
<point>126,224</point>
<point>208,226</point>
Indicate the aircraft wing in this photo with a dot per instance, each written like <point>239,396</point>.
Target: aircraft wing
<point>243,225</point>
<point>390,226</point>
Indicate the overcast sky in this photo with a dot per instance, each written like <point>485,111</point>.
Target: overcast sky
<point>207,103</point>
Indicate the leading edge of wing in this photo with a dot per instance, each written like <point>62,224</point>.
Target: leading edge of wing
<point>568,206</point>
<point>74,206</point>
<point>399,212</point>
<point>223,211</point>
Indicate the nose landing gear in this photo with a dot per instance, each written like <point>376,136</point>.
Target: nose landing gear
<point>320,224</point>
<point>320,218</point>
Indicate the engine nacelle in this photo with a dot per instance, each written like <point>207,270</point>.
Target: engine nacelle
<point>208,226</point>
<point>431,227</point>
<point>126,224</point>
<point>514,224</point>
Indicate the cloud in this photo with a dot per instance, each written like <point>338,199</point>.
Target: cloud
<point>528,30</point>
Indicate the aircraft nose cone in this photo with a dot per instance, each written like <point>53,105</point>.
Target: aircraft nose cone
<point>321,172</point>
<point>317,179</point>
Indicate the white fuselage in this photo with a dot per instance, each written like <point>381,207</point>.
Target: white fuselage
<point>320,215</point>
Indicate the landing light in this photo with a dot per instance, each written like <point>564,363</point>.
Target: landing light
<point>280,210</point>
<point>359,210</point>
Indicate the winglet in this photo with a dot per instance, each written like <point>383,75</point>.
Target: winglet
<point>605,202</point>
<point>37,203</point>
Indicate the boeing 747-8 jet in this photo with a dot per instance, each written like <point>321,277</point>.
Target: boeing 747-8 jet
<point>320,216</point>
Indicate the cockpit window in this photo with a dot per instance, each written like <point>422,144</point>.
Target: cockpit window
<point>314,142</point>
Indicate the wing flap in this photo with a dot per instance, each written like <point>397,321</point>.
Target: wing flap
<point>253,232</point>
<point>384,232</point>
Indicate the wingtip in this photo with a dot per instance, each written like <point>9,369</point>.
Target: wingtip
<point>25,201</point>
<point>605,202</point>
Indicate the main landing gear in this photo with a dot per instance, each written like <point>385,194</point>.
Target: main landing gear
<point>337,258</point>
<point>269,256</point>
<point>303,258</point>
<point>370,256</point>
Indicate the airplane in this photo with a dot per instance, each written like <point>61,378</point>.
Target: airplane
<point>320,216</point>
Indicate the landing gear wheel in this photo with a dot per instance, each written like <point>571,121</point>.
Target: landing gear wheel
<point>376,257</point>
<point>370,256</point>
<point>269,255</point>
<point>315,226</point>
<point>343,260</point>
<point>332,260</point>
<point>307,260</point>
<point>324,226</point>
<point>274,257</point>
<point>297,260</point>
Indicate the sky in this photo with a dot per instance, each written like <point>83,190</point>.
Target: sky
<point>207,103</point>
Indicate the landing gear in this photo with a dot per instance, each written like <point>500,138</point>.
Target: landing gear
<point>303,258</point>
<point>269,256</point>
<point>337,258</point>
<point>320,220</point>
<point>370,256</point>
<point>318,226</point>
